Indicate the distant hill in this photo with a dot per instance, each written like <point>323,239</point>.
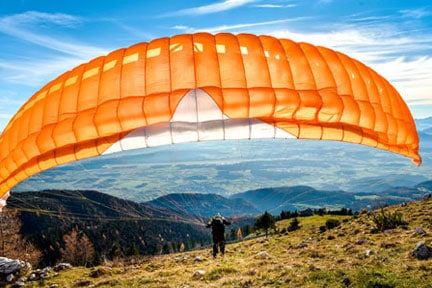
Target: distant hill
<point>204,205</point>
<point>108,221</point>
<point>275,200</point>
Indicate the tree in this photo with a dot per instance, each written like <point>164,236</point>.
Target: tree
<point>78,248</point>
<point>239,234</point>
<point>233,234</point>
<point>246,230</point>
<point>12,243</point>
<point>265,221</point>
<point>115,251</point>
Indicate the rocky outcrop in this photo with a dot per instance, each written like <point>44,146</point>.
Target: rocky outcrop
<point>11,269</point>
<point>422,251</point>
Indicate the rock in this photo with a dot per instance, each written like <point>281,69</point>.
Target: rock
<point>251,272</point>
<point>198,274</point>
<point>46,269</point>
<point>82,283</point>
<point>180,258</point>
<point>33,277</point>
<point>62,266</point>
<point>420,231</point>
<point>43,276</point>
<point>262,255</point>
<point>388,245</point>
<point>361,241</point>
<point>198,259</point>
<point>302,244</point>
<point>422,251</point>
<point>313,268</point>
<point>369,252</point>
<point>18,284</point>
<point>346,281</point>
<point>12,266</point>
<point>246,284</point>
<point>10,278</point>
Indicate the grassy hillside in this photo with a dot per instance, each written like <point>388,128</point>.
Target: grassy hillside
<point>350,253</point>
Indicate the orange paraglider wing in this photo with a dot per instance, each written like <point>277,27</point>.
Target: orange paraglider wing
<point>204,87</point>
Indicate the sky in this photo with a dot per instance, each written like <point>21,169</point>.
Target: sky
<point>39,40</point>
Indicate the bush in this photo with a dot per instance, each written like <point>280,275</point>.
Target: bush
<point>387,220</point>
<point>332,223</point>
<point>294,225</point>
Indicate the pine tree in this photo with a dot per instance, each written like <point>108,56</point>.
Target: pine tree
<point>115,251</point>
<point>265,221</point>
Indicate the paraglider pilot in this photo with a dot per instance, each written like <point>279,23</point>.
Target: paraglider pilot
<point>217,224</point>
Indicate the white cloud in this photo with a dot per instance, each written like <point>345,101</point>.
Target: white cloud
<point>275,5</point>
<point>35,17</point>
<point>35,72</point>
<point>415,13</point>
<point>235,27</point>
<point>209,9</point>
<point>22,26</point>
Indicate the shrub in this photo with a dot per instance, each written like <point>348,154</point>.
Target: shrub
<point>387,220</point>
<point>294,225</point>
<point>332,223</point>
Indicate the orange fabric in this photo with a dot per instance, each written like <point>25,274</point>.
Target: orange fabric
<point>312,92</point>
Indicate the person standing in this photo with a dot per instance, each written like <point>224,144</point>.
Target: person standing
<point>217,224</point>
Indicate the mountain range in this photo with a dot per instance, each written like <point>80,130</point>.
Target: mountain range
<point>274,200</point>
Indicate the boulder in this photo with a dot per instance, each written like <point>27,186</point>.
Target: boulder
<point>33,277</point>
<point>198,274</point>
<point>62,266</point>
<point>422,251</point>
<point>9,268</point>
<point>262,255</point>
<point>420,231</point>
<point>198,259</point>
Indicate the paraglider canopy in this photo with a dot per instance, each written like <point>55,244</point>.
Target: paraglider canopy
<point>204,87</point>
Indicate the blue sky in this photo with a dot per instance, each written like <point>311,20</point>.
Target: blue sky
<point>41,39</point>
